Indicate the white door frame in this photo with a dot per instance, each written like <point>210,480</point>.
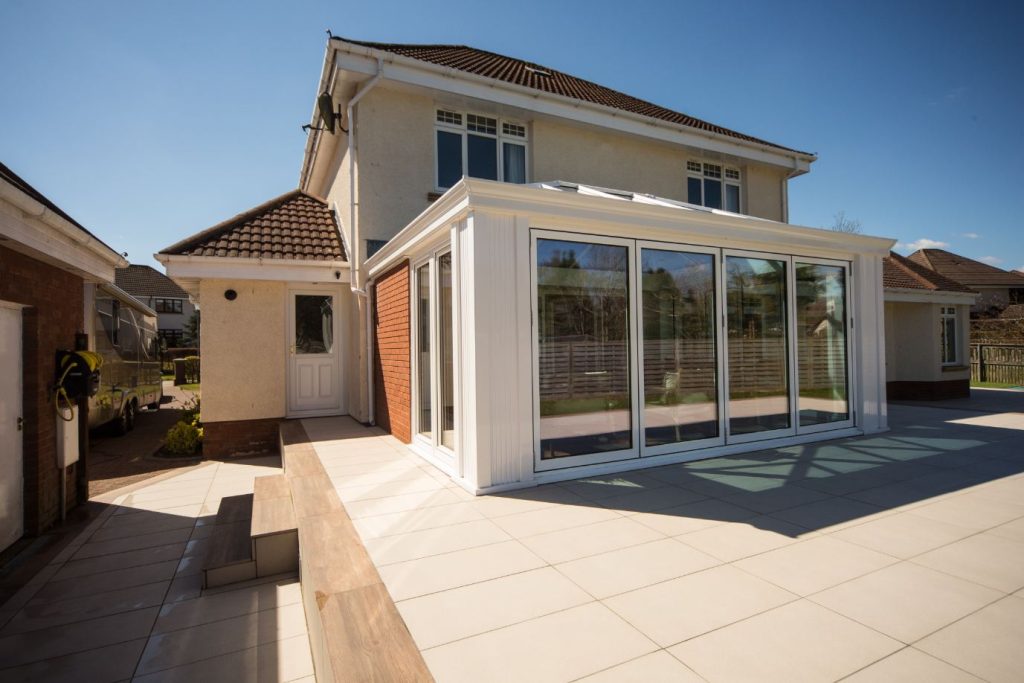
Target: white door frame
<point>11,440</point>
<point>336,351</point>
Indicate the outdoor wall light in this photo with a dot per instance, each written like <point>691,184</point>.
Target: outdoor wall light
<point>337,275</point>
<point>230,294</point>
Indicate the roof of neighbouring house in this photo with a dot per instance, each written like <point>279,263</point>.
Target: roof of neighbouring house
<point>530,75</point>
<point>966,271</point>
<point>899,272</point>
<point>295,225</point>
<point>143,281</point>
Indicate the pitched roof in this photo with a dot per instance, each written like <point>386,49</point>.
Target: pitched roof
<point>295,225</point>
<point>964,270</point>
<point>531,75</point>
<point>144,281</point>
<point>899,272</point>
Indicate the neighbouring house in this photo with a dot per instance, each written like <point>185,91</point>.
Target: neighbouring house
<point>456,268</point>
<point>927,332</point>
<point>49,268</point>
<point>172,304</point>
<point>996,288</point>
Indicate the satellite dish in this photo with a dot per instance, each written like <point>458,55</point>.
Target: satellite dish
<point>325,103</point>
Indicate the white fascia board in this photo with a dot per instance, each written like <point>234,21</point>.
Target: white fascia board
<point>927,296</point>
<point>718,226</point>
<point>439,215</point>
<point>35,235</point>
<point>183,268</point>
<point>127,299</point>
<point>363,61</point>
<point>570,210</point>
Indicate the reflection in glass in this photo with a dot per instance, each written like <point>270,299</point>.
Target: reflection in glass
<point>447,370</point>
<point>314,323</point>
<point>680,384</point>
<point>583,343</point>
<point>758,369</point>
<point>449,158</point>
<point>821,343</point>
<point>483,157</point>
<point>423,348</point>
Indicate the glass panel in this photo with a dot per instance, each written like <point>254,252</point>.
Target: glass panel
<point>424,424</point>
<point>680,383</point>
<point>732,198</point>
<point>314,323</point>
<point>583,342</point>
<point>713,193</point>
<point>483,157</point>
<point>693,191</point>
<point>449,158</point>
<point>948,339</point>
<point>821,344</point>
<point>514,163</point>
<point>446,372</point>
<point>758,369</point>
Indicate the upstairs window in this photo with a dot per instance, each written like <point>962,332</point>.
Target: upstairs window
<point>713,185</point>
<point>167,305</point>
<point>480,147</point>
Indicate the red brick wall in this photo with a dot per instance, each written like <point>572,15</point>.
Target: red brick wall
<point>55,298</point>
<point>240,437</point>
<point>392,392</point>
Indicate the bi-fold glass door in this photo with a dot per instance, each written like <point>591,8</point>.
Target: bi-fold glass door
<point>648,348</point>
<point>434,355</point>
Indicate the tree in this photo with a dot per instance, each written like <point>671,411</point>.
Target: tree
<point>192,331</point>
<point>843,224</point>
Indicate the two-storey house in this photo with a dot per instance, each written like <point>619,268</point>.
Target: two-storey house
<point>172,304</point>
<point>528,276</point>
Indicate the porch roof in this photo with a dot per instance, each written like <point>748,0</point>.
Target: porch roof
<point>295,226</point>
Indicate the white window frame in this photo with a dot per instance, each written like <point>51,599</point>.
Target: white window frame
<point>539,464</point>
<point>431,447</point>
<point>702,175</point>
<point>679,447</point>
<point>499,136</point>
<point>949,313</point>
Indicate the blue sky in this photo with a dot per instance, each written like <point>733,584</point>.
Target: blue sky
<point>150,121</point>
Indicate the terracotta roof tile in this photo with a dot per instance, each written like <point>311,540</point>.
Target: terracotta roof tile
<point>530,75</point>
<point>899,272</point>
<point>295,225</point>
<point>144,281</point>
<point>965,270</point>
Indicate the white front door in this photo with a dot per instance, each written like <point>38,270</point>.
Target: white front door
<point>314,377</point>
<point>12,521</point>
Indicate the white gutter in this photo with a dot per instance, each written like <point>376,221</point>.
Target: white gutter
<point>35,209</point>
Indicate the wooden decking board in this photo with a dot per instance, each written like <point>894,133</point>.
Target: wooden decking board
<point>368,640</point>
<point>235,509</point>
<point>357,633</point>
<point>274,516</point>
<point>313,496</point>
<point>271,486</point>
<point>229,544</point>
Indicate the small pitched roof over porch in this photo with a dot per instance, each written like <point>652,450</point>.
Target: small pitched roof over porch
<point>296,226</point>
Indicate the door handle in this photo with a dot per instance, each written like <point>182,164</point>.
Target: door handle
<point>291,349</point>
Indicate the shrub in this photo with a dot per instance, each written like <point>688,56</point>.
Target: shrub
<point>183,438</point>
<point>190,412</point>
<point>192,369</point>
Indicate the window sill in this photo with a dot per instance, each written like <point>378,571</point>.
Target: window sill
<point>955,368</point>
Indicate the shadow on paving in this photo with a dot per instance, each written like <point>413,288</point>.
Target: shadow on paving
<point>926,453</point>
<point>124,599</point>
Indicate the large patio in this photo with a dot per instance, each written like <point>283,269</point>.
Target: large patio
<point>892,557</point>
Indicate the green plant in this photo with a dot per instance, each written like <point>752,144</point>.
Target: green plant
<point>183,438</point>
<point>192,369</point>
<point>190,412</point>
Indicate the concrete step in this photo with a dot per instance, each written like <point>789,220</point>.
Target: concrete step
<point>229,557</point>
<point>274,531</point>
